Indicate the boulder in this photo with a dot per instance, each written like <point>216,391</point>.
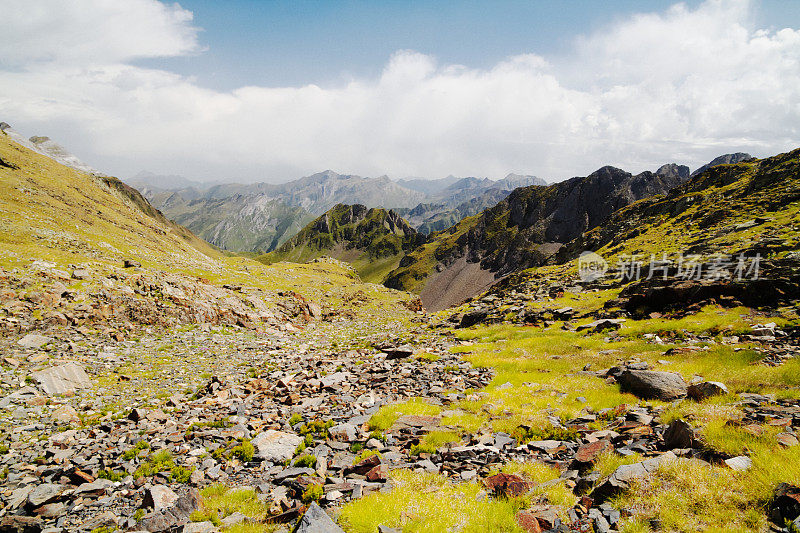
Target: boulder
<point>706,389</point>
<point>317,521</point>
<point>620,480</point>
<point>159,497</point>
<point>60,379</point>
<point>276,446</point>
<point>785,503</point>
<point>679,434</point>
<point>653,385</point>
<point>32,340</point>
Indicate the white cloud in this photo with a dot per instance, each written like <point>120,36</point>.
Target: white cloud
<point>684,85</point>
<point>92,31</point>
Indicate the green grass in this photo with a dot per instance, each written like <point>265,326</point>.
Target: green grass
<point>429,503</point>
<point>219,501</point>
<point>162,461</point>
<point>435,440</point>
<point>388,414</point>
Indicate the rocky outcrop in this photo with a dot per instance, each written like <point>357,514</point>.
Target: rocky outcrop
<point>355,234</point>
<point>727,159</point>
<point>529,226</point>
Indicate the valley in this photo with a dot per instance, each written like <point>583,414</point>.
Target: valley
<point>152,381</point>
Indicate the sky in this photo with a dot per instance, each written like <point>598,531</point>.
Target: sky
<point>270,91</point>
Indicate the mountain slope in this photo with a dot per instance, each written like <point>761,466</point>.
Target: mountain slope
<point>372,240</point>
<point>747,207</point>
<point>239,223</point>
<point>261,216</point>
<point>522,231</point>
<point>79,248</point>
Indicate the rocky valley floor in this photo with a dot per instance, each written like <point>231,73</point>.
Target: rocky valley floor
<point>543,415</point>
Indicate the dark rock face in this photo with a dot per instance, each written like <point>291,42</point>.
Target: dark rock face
<point>727,159</point>
<point>786,503</point>
<point>679,434</point>
<point>532,223</point>
<point>673,170</point>
<point>653,385</point>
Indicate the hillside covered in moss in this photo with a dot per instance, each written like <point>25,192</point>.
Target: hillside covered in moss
<point>372,240</point>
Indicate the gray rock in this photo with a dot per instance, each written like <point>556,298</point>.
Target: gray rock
<point>276,446</point>
<point>32,340</point>
<point>96,487</point>
<point>234,518</point>
<point>343,432</point>
<point>159,497</point>
<point>739,463</point>
<point>622,477</point>
<point>199,527</point>
<point>44,493</point>
<point>653,385</point>
<point>706,389</point>
<point>60,379</point>
<point>317,521</point>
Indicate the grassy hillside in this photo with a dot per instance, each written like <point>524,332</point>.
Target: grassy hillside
<point>75,220</point>
<point>372,240</point>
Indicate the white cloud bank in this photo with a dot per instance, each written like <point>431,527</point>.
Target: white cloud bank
<point>684,85</point>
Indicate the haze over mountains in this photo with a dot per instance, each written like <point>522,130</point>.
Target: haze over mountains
<point>259,217</point>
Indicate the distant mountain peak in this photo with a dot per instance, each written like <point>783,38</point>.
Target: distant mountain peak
<point>726,159</point>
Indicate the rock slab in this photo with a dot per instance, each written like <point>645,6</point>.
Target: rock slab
<point>276,446</point>
<point>60,379</point>
<point>317,521</point>
<point>653,385</point>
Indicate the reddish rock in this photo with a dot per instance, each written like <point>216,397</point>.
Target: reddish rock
<point>378,473</point>
<point>507,484</point>
<point>588,453</point>
<point>528,522</point>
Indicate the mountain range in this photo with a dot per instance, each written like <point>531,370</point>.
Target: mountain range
<point>260,217</point>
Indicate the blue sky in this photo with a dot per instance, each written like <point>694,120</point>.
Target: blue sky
<point>260,42</point>
<point>271,91</point>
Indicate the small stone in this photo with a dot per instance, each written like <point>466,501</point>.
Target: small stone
<point>739,463</point>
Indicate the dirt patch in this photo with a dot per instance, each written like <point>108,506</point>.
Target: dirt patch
<point>457,282</point>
